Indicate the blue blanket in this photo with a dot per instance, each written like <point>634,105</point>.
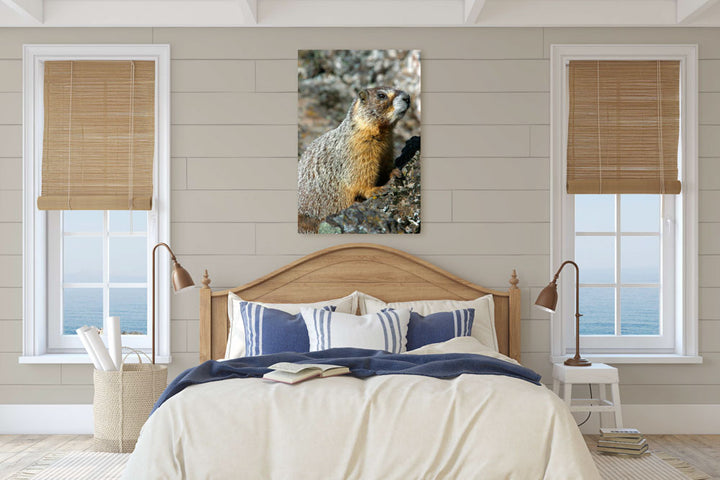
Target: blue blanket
<point>362,363</point>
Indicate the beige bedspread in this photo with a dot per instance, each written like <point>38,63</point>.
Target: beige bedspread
<point>384,427</point>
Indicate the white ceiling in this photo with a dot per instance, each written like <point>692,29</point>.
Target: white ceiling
<point>305,13</point>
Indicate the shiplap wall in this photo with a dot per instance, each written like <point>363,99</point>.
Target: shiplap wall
<point>485,176</point>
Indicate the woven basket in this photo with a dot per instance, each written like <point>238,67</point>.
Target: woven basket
<point>123,401</point>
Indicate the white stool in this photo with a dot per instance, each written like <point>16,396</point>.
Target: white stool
<point>597,373</point>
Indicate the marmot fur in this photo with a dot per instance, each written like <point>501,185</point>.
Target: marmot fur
<point>353,161</point>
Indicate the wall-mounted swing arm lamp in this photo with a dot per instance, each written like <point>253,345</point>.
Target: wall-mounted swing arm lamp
<point>547,300</point>
<point>181,280</point>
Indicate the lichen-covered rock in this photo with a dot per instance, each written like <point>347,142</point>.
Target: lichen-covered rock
<point>395,210</point>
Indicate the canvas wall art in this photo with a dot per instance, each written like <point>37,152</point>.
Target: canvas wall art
<point>359,141</point>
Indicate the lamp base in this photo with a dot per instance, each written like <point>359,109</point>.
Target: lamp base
<point>577,362</point>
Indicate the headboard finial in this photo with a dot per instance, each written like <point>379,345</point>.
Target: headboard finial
<point>206,280</point>
<point>514,280</point>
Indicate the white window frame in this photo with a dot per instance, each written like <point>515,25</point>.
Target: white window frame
<point>35,222</point>
<point>684,347</point>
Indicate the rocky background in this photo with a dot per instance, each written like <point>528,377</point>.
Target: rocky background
<point>328,82</point>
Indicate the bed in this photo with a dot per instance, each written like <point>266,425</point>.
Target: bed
<point>384,426</point>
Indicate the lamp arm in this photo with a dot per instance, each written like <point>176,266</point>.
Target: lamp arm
<point>172,255</point>
<point>577,283</point>
<point>577,360</point>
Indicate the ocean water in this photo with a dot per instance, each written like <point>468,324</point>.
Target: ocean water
<point>83,306</point>
<point>640,311</point>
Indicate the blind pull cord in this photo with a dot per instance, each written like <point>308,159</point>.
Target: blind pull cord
<point>660,130</point>
<point>132,136</point>
<point>600,172</point>
<point>69,163</point>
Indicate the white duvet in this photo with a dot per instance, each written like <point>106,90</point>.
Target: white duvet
<point>383,427</point>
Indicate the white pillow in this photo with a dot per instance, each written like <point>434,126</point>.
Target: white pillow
<point>236,336</point>
<point>377,331</point>
<point>460,345</point>
<point>483,325</point>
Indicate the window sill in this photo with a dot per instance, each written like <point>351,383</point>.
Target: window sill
<point>626,358</point>
<point>78,359</point>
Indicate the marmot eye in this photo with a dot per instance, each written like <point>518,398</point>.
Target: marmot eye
<point>382,96</point>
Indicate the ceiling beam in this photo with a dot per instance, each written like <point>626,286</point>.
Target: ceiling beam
<point>472,10</point>
<point>688,10</point>
<point>249,10</point>
<point>32,9</point>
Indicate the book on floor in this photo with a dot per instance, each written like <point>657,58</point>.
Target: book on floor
<point>622,451</point>
<point>631,445</point>
<point>621,433</point>
<point>621,440</point>
<point>292,373</point>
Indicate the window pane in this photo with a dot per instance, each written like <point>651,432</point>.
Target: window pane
<point>87,221</point>
<point>82,260</point>
<point>139,220</point>
<point>640,213</point>
<point>596,258</point>
<point>119,221</point>
<point>640,311</point>
<point>597,306</point>
<point>130,304</point>
<point>82,306</point>
<point>594,213</point>
<point>128,259</point>
<point>640,260</point>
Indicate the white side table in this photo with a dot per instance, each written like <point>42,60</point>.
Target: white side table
<point>598,373</point>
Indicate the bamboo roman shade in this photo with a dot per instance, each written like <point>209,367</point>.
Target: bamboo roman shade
<point>624,126</point>
<point>99,135</point>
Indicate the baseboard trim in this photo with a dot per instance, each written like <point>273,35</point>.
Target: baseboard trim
<point>649,419</point>
<point>688,419</point>
<point>45,419</point>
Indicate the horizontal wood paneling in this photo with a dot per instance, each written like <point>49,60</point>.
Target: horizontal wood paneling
<point>213,75</point>
<point>485,182</point>
<point>486,76</point>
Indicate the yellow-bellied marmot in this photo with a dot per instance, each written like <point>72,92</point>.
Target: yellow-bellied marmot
<point>353,161</point>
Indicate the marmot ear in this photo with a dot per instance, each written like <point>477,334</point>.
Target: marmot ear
<point>363,94</point>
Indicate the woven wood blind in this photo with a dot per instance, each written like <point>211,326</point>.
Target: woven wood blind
<point>624,127</point>
<point>99,135</point>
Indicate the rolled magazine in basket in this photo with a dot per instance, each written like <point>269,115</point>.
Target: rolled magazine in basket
<point>97,346</point>
<point>114,341</point>
<point>88,348</point>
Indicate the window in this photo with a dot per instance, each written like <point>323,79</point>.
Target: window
<point>82,266</point>
<point>637,252</point>
<point>621,242</point>
<point>99,262</point>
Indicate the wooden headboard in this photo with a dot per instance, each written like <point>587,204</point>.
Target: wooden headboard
<point>388,274</point>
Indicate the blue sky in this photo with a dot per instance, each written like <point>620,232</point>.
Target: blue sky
<point>596,254</point>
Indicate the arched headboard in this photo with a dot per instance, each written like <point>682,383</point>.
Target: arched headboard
<point>383,272</point>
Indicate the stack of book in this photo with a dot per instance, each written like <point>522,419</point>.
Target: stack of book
<point>625,441</point>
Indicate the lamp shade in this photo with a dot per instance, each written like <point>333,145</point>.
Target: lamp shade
<point>181,279</point>
<point>547,300</point>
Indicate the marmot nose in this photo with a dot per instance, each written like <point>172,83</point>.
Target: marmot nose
<point>406,98</point>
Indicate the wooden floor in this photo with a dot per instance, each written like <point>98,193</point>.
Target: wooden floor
<point>19,451</point>
<point>700,451</point>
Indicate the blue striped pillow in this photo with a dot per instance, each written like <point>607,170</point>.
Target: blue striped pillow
<point>439,327</point>
<point>385,330</point>
<point>273,331</point>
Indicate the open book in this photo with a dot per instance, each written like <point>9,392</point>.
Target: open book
<point>292,373</point>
